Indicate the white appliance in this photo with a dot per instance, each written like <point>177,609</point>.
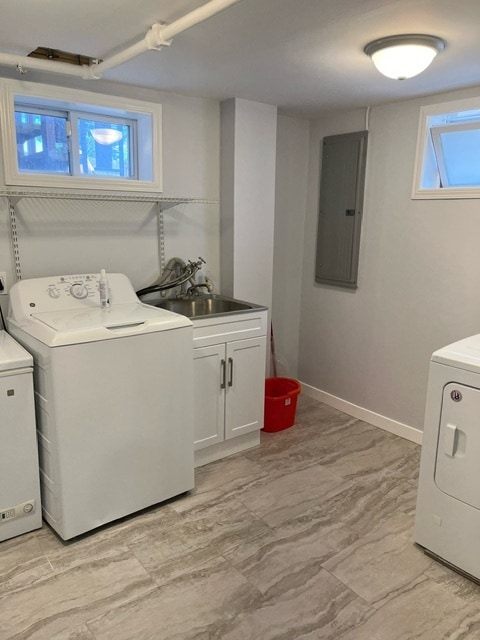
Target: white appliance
<point>447,523</point>
<point>20,509</point>
<point>113,388</point>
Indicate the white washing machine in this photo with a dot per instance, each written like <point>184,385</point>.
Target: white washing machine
<point>447,523</point>
<point>113,389</point>
<point>20,509</point>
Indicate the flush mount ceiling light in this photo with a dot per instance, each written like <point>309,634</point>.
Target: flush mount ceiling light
<point>404,56</point>
<point>106,136</point>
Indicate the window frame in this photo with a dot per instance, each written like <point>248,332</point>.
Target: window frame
<point>425,148</point>
<point>147,116</point>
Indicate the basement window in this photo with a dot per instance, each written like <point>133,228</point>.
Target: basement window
<point>448,151</point>
<point>71,143</point>
<point>56,137</point>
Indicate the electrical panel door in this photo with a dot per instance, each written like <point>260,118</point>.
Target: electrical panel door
<point>341,201</point>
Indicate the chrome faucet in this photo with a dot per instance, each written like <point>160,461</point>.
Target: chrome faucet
<point>193,290</point>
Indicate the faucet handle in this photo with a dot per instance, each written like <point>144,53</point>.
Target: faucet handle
<point>198,264</point>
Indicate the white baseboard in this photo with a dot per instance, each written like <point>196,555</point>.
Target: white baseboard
<point>227,448</point>
<point>376,419</point>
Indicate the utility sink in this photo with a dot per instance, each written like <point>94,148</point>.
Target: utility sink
<point>204,305</point>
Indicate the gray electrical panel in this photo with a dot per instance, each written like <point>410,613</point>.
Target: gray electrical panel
<point>341,201</point>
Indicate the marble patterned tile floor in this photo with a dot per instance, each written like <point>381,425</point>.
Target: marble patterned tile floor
<point>308,536</point>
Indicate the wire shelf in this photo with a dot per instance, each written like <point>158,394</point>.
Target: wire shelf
<point>164,202</point>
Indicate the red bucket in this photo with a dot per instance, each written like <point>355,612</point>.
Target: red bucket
<point>280,403</point>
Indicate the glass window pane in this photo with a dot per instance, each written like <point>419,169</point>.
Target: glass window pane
<point>104,148</point>
<point>461,152</point>
<point>42,145</point>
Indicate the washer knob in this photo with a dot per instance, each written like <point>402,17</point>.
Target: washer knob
<point>54,292</point>
<point>79,291</point>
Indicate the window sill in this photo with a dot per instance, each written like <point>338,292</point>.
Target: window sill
<point>447,193</point>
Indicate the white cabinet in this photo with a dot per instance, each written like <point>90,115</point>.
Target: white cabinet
<point>229,374</point>
<point>229,388</point>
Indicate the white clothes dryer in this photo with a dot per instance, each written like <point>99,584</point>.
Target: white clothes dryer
<point>20,509</point>
<point>447,523</point>
<point>113,391</point>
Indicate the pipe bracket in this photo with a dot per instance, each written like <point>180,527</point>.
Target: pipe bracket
<point>89,72</point>
<point>154,39</point>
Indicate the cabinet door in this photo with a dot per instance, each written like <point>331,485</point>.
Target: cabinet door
<point>245,388</point>
<point>19,480</point>
<point>209,395</point>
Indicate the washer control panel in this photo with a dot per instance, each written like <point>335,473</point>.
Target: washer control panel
<point>78,287</point>
<point>68,292</point>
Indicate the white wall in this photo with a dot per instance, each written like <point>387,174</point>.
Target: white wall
<point>418,276</point>
<point>290,207</point>
<point>248,134</point>
<point>66,236</point>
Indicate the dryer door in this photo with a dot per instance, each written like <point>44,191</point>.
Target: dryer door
<point>457,469</point>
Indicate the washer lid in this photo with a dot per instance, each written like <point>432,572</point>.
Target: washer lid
<point>74,326</point>
<point>464,354</point>
<point>12,355</point>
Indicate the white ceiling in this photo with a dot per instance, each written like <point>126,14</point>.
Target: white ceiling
<point>306,56</point>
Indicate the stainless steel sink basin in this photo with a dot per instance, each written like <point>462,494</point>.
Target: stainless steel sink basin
<point>205,305</point>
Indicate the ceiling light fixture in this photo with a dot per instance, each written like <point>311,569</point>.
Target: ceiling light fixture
<point>404,56</point>
<point>106,136</point>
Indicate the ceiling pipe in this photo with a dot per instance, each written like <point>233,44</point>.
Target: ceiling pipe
<point>97,70</point>
<point>195,17</point>
<point>24,63</point>
<point>158,36</point>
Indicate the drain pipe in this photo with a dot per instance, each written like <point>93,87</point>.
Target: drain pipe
<point>159,35</point>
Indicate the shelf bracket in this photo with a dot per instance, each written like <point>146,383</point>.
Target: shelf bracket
<point>14,238</point>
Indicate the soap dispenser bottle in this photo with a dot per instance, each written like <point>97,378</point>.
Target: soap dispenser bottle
<point>103,290</point>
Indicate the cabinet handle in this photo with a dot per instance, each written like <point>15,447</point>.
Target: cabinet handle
<point>230,372</point>
<point>223,372</point>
